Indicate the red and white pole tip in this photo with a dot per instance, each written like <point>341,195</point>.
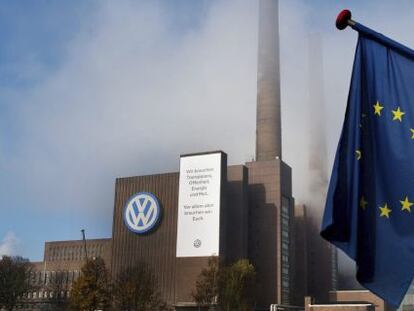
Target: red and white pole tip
<point>344,19</point>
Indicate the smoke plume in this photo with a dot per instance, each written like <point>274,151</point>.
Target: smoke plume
<point>10,245</point>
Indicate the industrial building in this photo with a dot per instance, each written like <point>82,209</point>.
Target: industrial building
<point>254,209</point>
<point>257,212</point>
<point>53,277</point>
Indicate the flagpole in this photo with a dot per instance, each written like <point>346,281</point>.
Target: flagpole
<point>84,244</point>
<point>344,19</point>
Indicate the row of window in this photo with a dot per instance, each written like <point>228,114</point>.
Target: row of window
<point>334,267</point>
<point>47,294</point>
<point>74,252</point>
<point>285,295</point>
<point>285,219</point>
<point>53,277</point>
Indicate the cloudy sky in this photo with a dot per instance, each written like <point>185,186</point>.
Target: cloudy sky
<point>94,90</point>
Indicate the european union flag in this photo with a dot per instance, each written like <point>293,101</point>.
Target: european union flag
<point>369,211</point>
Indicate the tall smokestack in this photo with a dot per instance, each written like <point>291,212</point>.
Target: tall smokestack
<point>317,130</point>
<point>268,122</point>
<point>322,257</point>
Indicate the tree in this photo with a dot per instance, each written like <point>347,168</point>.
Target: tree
<point>135,289</point>
<point>206,290</point>
<point>234,285</point>
<point>14,280</point>
<point>91,291</point>
<point>237,286</point>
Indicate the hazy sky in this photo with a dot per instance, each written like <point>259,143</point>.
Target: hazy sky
<point>94,90</point>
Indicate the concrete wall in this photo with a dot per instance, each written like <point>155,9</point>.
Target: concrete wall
<point>309,306</point>
<point>360,296</point>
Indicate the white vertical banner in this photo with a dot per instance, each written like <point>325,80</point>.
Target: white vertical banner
<point>198,224</point>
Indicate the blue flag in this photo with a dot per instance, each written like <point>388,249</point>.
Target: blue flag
<point>369,211</point>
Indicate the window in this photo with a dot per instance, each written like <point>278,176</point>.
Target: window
<point>33,277</point>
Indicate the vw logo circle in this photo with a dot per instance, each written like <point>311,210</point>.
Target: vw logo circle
<point>142,212</point>
<point>197,243</point>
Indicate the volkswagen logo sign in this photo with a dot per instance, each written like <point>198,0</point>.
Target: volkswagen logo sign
<point>142,212</point>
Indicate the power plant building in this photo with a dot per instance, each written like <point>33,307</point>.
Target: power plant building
<point>174,222</point>
<point>256,208</point>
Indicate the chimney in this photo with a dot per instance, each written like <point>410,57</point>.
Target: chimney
<point>268,122</point>
<point>316,112</point>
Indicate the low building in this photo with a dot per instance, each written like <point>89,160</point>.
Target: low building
<point>344,306</point>
<point>359,296</point>
<point>53,277</point>
<point>349,300</point>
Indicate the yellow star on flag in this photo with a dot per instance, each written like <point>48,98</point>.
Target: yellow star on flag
<point>358,154</point>
<point>397,114</point>
<point>363,203</point>
<point>406,205</point>
<point>378,108</point>
<point>412,133</point>
<point>385,211</point>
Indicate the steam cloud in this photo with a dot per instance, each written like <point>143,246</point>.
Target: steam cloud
<point>10,245</point>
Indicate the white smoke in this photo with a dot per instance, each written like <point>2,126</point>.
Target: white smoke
<point>10,245</point>
<point>131,95</point>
